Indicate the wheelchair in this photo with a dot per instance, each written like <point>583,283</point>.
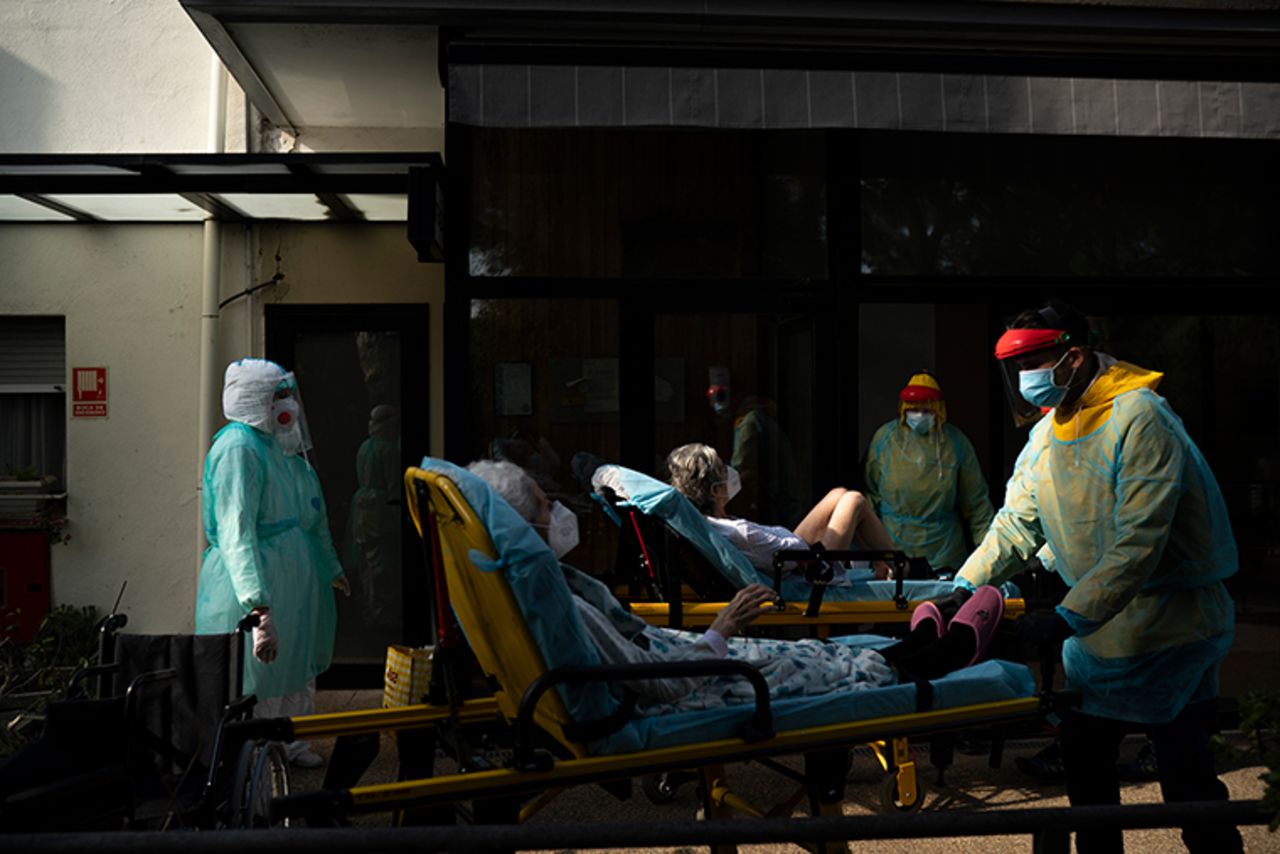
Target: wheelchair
<point>140,742</point>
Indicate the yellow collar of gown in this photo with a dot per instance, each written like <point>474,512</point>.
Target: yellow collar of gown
<point>1095,406</point>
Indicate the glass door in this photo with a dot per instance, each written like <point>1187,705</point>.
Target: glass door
<point>362,374</point>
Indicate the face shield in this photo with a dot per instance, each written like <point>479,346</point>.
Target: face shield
<point>288,418</point>
<point>1013,350</point>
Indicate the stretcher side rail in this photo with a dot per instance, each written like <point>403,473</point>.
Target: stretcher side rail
<point>506,782</point>
<point>699,614</point>
<point>758,727</point>
<point>819,572</point>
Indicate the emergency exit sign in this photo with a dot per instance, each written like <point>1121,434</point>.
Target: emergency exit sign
<point>88,392</point>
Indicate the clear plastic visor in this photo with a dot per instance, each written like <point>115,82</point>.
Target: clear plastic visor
<point>288,389</point>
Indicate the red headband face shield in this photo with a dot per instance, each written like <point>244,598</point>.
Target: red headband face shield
<point>1014,349</point>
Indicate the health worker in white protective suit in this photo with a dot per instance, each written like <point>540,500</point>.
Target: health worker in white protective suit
<point>269,547</point>
<point>1135,524</point>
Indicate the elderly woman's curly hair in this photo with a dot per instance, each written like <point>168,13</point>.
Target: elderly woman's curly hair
<point>694,469</point>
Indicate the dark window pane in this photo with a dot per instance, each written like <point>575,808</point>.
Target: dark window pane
<point>970,205</point>
<point>1062,227</point>
<point>745,383</point>
<point>350,385</point>
<point>544,389</point>
<point>647,204</point>
<point>33,439</point>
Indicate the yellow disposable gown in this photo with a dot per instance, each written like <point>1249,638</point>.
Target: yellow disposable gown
<point>1138,530</point>
<point>926,489</point>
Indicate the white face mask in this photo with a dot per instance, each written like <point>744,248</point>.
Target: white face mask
<point>562,532</point>
<point>284,418</point>
<point>921,422</point>
<point>732,482</point>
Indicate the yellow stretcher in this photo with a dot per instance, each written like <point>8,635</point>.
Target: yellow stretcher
<point>552,751</point>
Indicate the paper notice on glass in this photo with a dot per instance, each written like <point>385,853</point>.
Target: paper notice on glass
<point>601,381</point>
<point>513,388</point>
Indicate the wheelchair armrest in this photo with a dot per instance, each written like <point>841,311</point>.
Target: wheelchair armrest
<point>85,672</point>
<point>759,727</point>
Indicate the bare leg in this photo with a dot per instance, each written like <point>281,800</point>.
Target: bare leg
<point>814,526</point>
<point>845,518</point>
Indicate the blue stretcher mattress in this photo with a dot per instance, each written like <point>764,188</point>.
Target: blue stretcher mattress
<point>538,584</point>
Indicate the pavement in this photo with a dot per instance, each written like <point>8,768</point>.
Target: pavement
<point>970,784</point>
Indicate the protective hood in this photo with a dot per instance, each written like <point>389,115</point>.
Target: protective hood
<point>1095,407</point>
<point>247,391</point>
<point>922,392</point>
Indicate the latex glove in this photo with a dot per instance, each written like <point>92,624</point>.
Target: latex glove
<point>745,606</point>
<point>1039,632</point>
<point>341,583</point>
<point>951,602</point>
<point>266,643</point>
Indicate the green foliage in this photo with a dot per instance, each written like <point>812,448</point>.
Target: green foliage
<point>1260,721</point>
<point>33,674</point>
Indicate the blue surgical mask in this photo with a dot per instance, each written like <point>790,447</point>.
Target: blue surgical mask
<point>921,422</point>
<point>1038,388</point>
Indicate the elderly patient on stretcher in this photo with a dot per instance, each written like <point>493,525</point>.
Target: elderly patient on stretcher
<point>931,649</point>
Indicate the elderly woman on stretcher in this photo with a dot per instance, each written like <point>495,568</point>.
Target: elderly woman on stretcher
<point>932,648</point>
<point>843,519</point>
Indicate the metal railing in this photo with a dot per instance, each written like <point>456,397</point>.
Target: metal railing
<point>1046,827</point>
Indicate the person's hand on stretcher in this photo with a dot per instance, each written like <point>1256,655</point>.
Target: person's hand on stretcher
<point>749,603</point>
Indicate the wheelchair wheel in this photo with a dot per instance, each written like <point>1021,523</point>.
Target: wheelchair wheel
<point>262,773</point>
<point>891,799</point>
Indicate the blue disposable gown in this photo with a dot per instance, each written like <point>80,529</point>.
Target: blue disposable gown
<point>927,490</point>
<point>269,544</point>
<point>1136,526</point>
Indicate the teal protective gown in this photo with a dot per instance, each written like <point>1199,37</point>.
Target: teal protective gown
<point>1137,528</point>
<point>269,544</point>
<point>926,489</point>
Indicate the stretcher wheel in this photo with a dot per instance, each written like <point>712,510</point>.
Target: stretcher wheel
<point>262,773</point>
<point>659,788</point>
<point>891,799</point>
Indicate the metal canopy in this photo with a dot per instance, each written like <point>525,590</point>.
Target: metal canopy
<point>348,187</point>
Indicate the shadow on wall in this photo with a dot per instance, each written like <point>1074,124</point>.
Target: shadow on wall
<point>25,94</point>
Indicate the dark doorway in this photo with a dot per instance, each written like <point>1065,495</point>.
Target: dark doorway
<point>362,372</point>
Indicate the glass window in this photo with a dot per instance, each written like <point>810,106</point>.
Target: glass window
<point>545,395</point>
<point>647,204</point>
<point>744,384</point>
<point>350,384</point>
<point>33,419</point>
<point>1063,207</point>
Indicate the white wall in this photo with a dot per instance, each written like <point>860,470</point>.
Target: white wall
<point>131,298</point>
<point>132,76</point>
<point>103,76</point>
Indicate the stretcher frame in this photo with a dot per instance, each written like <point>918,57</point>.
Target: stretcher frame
<point>654,555</point>
<point>522,699</point>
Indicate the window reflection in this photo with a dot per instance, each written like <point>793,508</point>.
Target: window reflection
<point>647,204</point>
<point>958,226</point>
<point>545,396</point>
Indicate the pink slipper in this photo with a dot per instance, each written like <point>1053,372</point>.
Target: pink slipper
<point>928,611</point>
<point>982,613</point>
